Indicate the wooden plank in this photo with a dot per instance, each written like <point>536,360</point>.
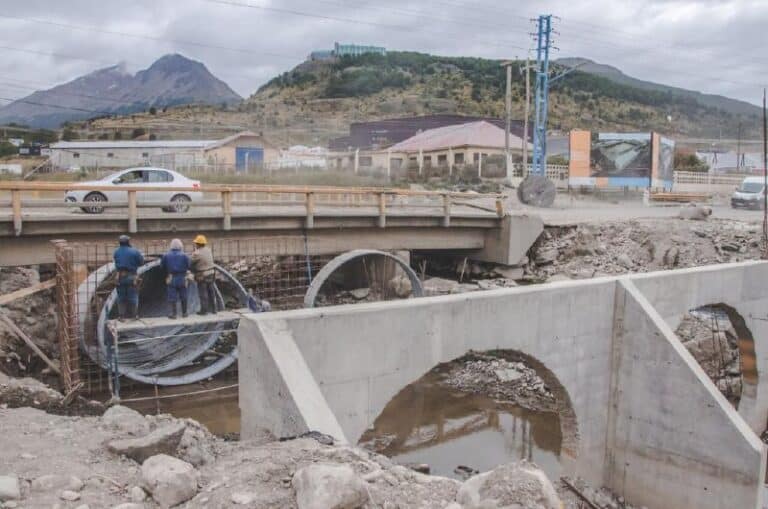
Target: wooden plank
<point>13,328</point>
<point>24,292</point>
<point>140,324</point>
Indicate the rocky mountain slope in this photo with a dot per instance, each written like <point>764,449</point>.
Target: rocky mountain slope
<point>408,83</point>
<point>171,80</point>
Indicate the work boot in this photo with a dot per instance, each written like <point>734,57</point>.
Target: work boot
<point>183,308</point>
<point>121,312</point>
<point>172,313</point>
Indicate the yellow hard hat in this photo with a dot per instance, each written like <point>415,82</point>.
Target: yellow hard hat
<point>201,240</point>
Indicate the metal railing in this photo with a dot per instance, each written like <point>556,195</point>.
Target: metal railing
<point>703,177</point>
<point>228,196</point>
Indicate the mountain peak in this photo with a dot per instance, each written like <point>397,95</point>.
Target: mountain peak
<point>171,80</point>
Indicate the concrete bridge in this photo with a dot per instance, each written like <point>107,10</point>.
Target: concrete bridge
<point>334,220</point>
<point>639,414</point>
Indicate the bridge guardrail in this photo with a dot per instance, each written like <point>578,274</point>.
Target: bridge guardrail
<point>307,196</point>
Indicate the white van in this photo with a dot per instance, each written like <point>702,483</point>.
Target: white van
<point>749,194</point>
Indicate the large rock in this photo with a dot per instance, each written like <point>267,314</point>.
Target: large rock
<point>694,212</point>
<point>196,445</point>
<point>164,440</point>
<point>514,486</point>
<point>125,420</point>
<point>56,482</point>
<point>329,486</point>
<point>169,480</point>
<point>9,488</point>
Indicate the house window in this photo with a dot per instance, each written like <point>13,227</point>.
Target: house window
<point>427,161</point>
<point>442,159</point>
<point>145,155</point>
<point>366,161</point>
<point>110,154</point>
<point>458,158</point>
<point>475,156</point>
<point>75,155</point>
<point>396,162</point>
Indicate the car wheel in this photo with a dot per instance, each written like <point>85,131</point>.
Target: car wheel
<point>179,203</point>
<point>94,198</point>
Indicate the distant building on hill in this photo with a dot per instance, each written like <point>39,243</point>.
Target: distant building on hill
<point>379,134</point>
<point>345,50</point>
<point>355,50</point>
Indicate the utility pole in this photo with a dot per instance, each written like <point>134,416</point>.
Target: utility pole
<point>765,179</point>
<point>536,189</point>
<point>508,124</point>
<point>543,40</point>
<point>738,148</point>
<point>527,112</point>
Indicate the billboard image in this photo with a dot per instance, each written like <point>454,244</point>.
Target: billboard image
<point>624,155</point>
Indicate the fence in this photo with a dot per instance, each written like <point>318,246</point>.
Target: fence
<point>701,177</point>
<point>308,198</point>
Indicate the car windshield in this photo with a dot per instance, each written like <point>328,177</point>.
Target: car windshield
<point>751,187</point>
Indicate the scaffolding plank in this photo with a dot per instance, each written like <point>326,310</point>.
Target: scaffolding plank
<point>119,327</point>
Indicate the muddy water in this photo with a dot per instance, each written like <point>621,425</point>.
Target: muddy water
<point>218,410</point>
<point>428,422</point>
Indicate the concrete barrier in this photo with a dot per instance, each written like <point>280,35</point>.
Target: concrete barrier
<point>648,422</point>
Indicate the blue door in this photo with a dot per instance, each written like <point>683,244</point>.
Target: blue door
<point>247,158</point>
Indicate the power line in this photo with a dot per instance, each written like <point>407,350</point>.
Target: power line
<point>328,17</point>
<point>144,36</point>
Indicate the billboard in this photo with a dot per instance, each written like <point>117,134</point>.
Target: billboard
<point>638,160</point>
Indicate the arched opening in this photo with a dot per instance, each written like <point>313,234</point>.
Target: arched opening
<point>477,412</point>
<point>718,338</point>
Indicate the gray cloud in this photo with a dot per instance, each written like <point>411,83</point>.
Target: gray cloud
<point>709,45</point>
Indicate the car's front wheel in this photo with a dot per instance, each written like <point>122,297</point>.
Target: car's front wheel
<point>95,198</point>
<point>179,203</point>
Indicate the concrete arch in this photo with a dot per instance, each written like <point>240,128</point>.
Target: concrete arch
<point>735,287</point>
<point>332,266</point>
<point>569,431</point>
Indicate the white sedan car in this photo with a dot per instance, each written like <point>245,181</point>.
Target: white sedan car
<point>178,201</point>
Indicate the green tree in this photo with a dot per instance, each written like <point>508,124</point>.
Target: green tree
<point>153,111</point>
<point>68,134</point>
<point>7,149</point>
<point>139,131</point>
<point>117,136</point>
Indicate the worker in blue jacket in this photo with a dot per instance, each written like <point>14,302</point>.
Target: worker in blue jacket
<point>127,259</point>
<point>176,265</point>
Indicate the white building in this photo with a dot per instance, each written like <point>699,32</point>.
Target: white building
<point>239,152</point>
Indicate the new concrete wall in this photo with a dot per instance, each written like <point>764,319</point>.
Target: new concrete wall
<point>674,440</point>
<point>650,424</point>
<point>742,286</point>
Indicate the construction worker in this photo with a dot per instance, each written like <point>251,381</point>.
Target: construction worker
<point>176,265</point>
<point>205,275</point>
<point>127,259</point>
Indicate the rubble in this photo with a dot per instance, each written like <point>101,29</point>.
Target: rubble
<point>328,486</point>
<point>163,440</point>
<point>169,480</point>
<point>502,379</point>
<point>509,486</point>
<point>709,336</point>
<point>643,245</point>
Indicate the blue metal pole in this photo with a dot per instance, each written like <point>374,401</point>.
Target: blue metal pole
<point>542,95</point>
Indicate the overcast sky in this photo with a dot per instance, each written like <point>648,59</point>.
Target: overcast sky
<point>715,46</point>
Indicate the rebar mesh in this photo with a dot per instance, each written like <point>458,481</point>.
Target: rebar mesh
<point>269,268</point>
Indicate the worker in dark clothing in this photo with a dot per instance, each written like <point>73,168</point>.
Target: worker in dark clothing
<point>127,259</point>
<point>176,264</point>
<point>204,271</point>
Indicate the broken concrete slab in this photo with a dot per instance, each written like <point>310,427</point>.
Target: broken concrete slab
<point>164,440</point>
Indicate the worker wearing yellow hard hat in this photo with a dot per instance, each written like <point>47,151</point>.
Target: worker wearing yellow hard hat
<point>204,271</point>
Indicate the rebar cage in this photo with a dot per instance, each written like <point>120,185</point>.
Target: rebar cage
<point>276,269</point>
